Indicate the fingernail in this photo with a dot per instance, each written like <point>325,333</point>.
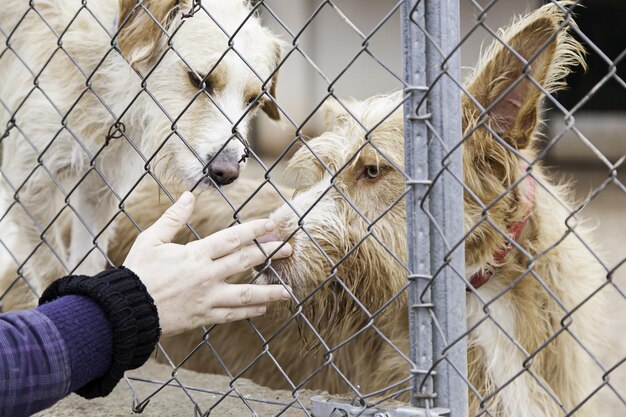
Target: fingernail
<point>286,250</point>
<point>285,294</point>
<point>186,198</point>
<point>269,226</point>
<point>261,309</point>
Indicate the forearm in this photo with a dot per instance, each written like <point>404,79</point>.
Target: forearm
<point>49,352</point>
<point>86,332</point>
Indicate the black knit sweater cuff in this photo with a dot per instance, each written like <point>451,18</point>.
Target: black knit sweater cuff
<point>133,317</point>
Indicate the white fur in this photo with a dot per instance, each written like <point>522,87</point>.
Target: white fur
<point>506,356</point>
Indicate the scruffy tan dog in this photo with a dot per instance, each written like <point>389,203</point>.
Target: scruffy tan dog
<point>94,94</point>
<point>526,352</point>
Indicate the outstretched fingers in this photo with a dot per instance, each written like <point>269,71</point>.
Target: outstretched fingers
<point>228,314</point>
<point>241,295</point>
<point>229,240</point>
<point>250,256</point>
<point>174,218</point>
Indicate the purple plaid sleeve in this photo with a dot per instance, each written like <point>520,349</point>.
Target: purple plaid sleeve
<point>34,364</point>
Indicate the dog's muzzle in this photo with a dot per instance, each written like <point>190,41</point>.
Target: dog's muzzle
<point>224,169</point>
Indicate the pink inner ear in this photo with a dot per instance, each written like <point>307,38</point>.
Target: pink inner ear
<point>504,114</point>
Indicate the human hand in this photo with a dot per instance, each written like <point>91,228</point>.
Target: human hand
<point>187,281</point>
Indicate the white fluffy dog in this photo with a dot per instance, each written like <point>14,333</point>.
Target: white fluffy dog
<point>95,97</point>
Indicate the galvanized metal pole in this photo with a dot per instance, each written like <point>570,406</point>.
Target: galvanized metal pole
<point>431,65</point>
<point>443,63</point>
<point>418,227</point>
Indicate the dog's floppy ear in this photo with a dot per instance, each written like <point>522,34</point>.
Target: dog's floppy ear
<point>143,26</point>
<point>509,87</point>
<point>269,107</point>
<point>335,114</point>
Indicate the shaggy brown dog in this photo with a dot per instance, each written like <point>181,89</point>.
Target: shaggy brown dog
<point>527,353</point>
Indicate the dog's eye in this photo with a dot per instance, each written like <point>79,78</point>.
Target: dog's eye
<point>371,172</point>
<point>196,81</point>
<point>251,100</point>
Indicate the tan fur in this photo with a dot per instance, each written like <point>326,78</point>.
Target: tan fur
<point>524,359</point>
<point>143,26</point>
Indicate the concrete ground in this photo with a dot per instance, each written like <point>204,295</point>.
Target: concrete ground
<point>172,401</point>
<point>606,212</point>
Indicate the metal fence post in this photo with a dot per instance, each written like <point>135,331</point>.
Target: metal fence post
<point>435,203</point>
<point>418,229</point>
<point>446,203</point>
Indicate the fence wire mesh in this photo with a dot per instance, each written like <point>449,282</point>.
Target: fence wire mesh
<point>439,267</point>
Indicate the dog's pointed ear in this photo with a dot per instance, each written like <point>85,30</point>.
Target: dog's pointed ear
<point>143,27</point>
<point>269,107</point>
<point>532,57</point>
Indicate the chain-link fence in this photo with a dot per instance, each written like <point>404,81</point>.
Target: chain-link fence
<point>439,268</point>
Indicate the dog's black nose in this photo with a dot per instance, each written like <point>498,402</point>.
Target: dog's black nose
<point>224,169</point>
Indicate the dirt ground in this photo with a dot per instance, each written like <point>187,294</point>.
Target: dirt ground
<point>606,212</point>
